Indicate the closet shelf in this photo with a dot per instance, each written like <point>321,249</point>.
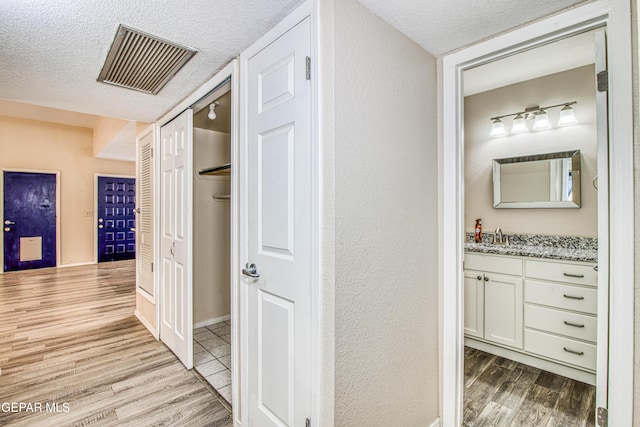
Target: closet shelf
<point>217,170</point>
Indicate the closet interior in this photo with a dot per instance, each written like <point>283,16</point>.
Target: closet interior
<point>211,239</point>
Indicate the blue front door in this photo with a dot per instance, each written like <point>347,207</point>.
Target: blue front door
<point>29,220</point>
<point>116,219</point>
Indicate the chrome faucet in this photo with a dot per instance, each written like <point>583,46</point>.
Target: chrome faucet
<point>499,238</point>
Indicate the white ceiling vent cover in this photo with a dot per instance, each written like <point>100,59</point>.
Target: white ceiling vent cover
<point>142,62</point>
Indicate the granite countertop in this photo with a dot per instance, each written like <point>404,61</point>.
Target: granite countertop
<point>569,248</point>
<point>568,254</point>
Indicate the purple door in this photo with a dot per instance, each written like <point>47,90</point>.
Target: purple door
<point>116,218</point>
<point>29,220</point>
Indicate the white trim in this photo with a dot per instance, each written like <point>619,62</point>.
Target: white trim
<point>58,210</point>
<point>307,9</point>
<point>616,13</point>
<point>77,264</point>
<point>142,292</point>
<point>436,423</point>
<point>95,212</point>
<point>210,322</point>
<point>146,324</point>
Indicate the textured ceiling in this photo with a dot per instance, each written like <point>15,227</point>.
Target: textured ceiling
<point>52,51</point>
<point>440,26</point>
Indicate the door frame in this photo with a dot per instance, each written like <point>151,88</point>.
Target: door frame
<point>50,172</point>
<point>616,15</point>
<point>231,70</point>
<point>307,9</point>
<point>95,210</point>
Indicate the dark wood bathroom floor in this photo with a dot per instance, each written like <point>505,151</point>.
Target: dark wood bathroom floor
<point>501,392</point>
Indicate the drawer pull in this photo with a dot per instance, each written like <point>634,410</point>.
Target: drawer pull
<point>578,276</point>
<point>568,350</point>
<point>572,297</point>
<point>575,325</point>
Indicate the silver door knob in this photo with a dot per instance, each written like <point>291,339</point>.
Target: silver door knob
<point>251,271</point>
<point>101,226</point>
<point>7,222</point>
<point>7,229</point>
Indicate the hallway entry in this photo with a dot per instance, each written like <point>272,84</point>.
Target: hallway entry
<point>29,220</point>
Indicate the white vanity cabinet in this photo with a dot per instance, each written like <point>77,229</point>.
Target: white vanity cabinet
<point>560,311</point>
<point>536,311</point>
<point>493,299</point>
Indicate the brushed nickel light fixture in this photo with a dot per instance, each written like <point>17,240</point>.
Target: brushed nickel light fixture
<point>539,116</point>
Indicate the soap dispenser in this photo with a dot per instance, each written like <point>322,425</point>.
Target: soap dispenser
<point>478,238</point>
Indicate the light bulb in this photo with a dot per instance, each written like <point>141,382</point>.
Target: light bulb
<point>212,111</point>
<point>497,128</point>
<point>519,124</point>
<point>567,116</point>
<point>541,121</point>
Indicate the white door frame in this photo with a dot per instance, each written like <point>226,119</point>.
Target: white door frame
<point>95,209</point>
<point>307,9</point>
<point>617,16</point>
<point>58,209</point>
<point>230,70</point>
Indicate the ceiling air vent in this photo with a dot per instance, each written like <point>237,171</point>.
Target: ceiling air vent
<point>142,62</point>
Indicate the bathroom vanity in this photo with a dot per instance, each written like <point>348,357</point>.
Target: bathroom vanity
<point>533,304</point>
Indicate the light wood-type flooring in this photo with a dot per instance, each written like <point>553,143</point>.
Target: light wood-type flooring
<point>69,340</point>
<point>500,392</point>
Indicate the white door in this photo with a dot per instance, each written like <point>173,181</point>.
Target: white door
<point>602,368</point>
<point>503,309</point>
<point>473,304</point>
<point>278,307</point>
<point>176,317</point>
<point>144,212</point>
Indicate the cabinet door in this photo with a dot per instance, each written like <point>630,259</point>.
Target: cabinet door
<point>473,304</point>
<point>503,309</point>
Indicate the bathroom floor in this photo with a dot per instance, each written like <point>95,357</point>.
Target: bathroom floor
<point>212,356</point>
<point>501,392</point>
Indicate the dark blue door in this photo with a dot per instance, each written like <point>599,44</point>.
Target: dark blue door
<point>29,220</point>
<point>116,219</point>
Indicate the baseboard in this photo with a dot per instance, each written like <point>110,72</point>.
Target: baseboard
<point>210,322</point>
<point>77,264</point>
<point>436,423</point>
<point>146,324</point>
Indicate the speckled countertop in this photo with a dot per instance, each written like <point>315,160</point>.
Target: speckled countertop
<point>584,249</point>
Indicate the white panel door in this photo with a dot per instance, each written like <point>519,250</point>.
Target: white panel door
<point>144,212</point>
<point>176,316</point>
<point>503,309</point>
<point>278,308</point>
<point>473,304</point>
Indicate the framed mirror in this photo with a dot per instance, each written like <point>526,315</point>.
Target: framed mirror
<point>538,181</point>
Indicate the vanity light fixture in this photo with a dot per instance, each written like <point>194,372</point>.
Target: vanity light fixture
<point>540,118</point>
<point>497,128</point>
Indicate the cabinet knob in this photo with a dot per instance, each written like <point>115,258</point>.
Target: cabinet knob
<point>486,279</point>
<point>479,277</point>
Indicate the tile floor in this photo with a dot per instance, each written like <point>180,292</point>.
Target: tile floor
<point>212,356</point>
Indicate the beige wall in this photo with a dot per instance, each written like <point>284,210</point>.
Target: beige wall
<point>480,150</point>
<point>211,229</point>
<point>386,280</point>
<point>29,144</point>
<point>104,130</point>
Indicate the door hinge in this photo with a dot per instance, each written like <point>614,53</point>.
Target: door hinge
<point>307,422</point>
<point>308,68</point>
<point>603,81</point>
<point>152,267</point>
<point>603,417</point>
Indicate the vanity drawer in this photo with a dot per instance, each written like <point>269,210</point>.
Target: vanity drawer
<point>493,264</point>
<point>562,349</point>
<point>561,322</point>
<point>561,272</point>
<point>567,297</point>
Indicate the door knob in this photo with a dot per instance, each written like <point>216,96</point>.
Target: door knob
<point>251,271</point>
<point>100,226</point>
<point>100,220</point>
<point>7,222</point>
<point>7,229</point>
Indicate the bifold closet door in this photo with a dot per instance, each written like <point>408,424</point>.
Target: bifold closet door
<point>176,187</point>
<point>144,212</point>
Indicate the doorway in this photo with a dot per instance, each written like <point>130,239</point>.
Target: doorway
<point>617,397</point>
<point>30,220</point>
<point>115,211</point>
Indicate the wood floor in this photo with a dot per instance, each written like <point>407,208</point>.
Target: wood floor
<point>500,392</point>
<point>69,342</point>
